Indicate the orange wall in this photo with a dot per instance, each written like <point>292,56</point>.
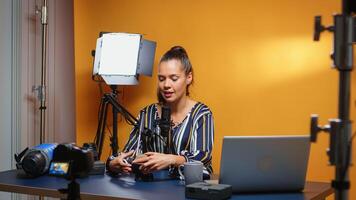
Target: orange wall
<point>255,64</point>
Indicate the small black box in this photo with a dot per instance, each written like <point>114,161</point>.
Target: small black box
<point>203,190</point>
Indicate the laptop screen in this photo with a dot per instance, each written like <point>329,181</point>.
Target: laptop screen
<point>264,163</point>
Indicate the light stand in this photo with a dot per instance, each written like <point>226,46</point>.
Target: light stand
<point>41,90</point>
<point>339,129</point>
<point>106,100</point>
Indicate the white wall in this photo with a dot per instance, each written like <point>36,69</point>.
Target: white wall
<point>6,86</point>
<point>5,83</point>
<point>20,70</point>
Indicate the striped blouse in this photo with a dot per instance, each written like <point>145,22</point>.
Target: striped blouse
<point>193,138</point>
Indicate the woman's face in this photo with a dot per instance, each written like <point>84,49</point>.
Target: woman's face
<point>172,80</point>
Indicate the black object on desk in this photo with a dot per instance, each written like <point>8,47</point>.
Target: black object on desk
<point>203,190</point>
<point>104,187</point>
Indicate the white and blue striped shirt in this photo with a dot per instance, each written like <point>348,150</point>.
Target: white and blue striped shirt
<point>193,138</point>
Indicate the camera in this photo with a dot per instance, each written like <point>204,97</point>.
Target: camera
<point>71,161</point>
<point>66,160</point>
<point>139,176</point>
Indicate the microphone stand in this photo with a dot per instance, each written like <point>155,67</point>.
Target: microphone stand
<point>169,142</point>
<point>144,136</point>
<point>339,129</point>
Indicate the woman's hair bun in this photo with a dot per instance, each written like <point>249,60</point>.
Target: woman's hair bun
<point>178,48</point>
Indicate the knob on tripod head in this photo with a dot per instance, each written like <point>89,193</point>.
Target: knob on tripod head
<point>319,28</point>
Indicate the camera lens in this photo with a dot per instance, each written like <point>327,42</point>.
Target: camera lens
<point>34,163</point>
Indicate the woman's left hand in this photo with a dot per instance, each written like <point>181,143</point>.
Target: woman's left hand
<point>153,161</point>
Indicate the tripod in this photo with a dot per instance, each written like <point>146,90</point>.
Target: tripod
<point>106,100</point>
<point>73,190</point>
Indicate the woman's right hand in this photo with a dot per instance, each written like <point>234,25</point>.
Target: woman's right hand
<point>121,165</point>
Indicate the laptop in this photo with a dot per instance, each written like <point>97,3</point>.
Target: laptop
<point>264,163</point>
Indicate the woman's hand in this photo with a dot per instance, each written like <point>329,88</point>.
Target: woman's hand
<point>121,165</point>
<point>153,161</point>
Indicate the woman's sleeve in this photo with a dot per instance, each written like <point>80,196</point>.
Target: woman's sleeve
<point>201,140</point>
<point>133,140</point>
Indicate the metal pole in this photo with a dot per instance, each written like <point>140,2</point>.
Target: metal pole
<point>340,132</point>
<point>345,69</point>
<point>42,89</point>
<point>341,167</point>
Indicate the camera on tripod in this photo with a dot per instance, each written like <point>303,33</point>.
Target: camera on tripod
<point>77,161</point>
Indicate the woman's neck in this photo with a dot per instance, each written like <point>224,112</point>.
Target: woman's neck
<point>179,106</point>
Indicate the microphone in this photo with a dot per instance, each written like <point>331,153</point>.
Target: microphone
<point>165,126</point>
<point>165,122</point>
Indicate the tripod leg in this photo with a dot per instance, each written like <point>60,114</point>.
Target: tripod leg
<point>100,121</point>
<point>114,144</point>
<point>101,142</point>
<point>73,190</point>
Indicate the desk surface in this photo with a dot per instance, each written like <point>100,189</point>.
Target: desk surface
<point>125,187</point>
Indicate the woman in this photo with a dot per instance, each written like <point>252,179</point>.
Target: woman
<point>192,130</point>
